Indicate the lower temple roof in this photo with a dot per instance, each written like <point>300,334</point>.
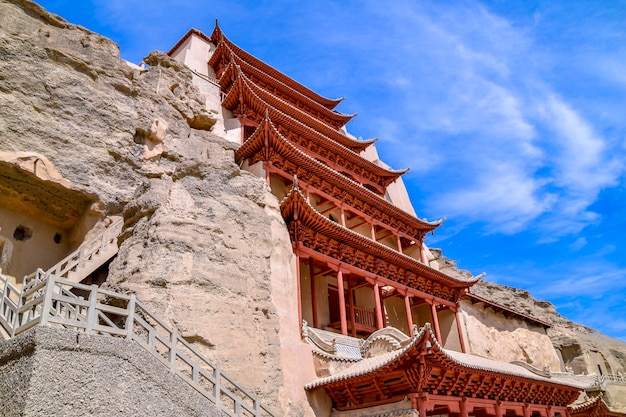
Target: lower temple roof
<point>425,342</point>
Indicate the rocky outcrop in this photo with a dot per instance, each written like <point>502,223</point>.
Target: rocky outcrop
<point>582,348</point>
<point>203,242</point>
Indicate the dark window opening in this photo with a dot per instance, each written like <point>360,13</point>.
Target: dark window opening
<point>22,233</point>
<point>57,238</point>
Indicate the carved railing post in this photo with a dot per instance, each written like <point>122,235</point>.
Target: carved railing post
<point>92,313</point>
<point>130,319</point>
<point>47,300</point>
<point>217,388</point>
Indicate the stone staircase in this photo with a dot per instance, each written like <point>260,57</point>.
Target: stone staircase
<point>47,300</point>
<point>86,258</point>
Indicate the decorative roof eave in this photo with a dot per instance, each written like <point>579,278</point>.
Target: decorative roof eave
<point>187,35</point>
<point>299,114</point>
<point>299,118</point>
<point>595,406</point>
<point>266,130</point>
<point>218,36</point>
<point>424,344</point>
<point>364,368</point>
<point>295,207</point>
<point>229,74</point>
<point>241,91</point>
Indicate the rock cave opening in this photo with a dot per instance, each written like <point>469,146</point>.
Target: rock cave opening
<point>42,219</point>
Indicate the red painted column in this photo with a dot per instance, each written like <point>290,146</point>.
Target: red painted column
<point>351,307</point>
<point>463,407</point>
<point>343,217</point>
<point>266,167</point>
<point>409,316</point>
<point>373,231</point>
<point>421,406</point>
<point>240,118</point>
<point>313,294</point>
<point>498,408</point>
<point>342,304</point>
<point>433,310</point>
<point>399,244</point>
<point>422,252</point>
<point>526,410</point>
<point>459,328</point>
<point>379,311</point>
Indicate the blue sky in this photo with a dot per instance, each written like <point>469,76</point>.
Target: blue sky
<point>511,115</point>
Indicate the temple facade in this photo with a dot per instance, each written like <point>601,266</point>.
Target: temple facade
<point>392,329</point>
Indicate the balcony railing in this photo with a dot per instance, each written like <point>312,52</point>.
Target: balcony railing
<point>364,316</point>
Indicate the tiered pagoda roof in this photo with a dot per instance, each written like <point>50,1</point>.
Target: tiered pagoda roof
<point>228,76</point>
<point>268,144</point>
<point>423,367</point>
<point>316,233</point>
<point>244,97</point>
<point>218,37</point>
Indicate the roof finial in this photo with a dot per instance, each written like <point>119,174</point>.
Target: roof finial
<point>295,182</point>
<point>218,31</point>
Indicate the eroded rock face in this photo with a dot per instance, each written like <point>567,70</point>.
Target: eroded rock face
<point>203,244</point>
<point>582,349</point>
<point>67,95</point>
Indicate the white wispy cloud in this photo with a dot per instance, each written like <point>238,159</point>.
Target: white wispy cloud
<point>511,151</point>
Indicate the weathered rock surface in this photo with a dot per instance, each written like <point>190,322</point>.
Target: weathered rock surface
<point>577,343</point>
<point>203,244</point>
<point>48,372</point>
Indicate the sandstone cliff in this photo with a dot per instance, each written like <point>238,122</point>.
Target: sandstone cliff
<point>204,244</point>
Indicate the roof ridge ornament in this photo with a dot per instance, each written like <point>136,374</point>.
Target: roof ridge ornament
<point>217,31</point>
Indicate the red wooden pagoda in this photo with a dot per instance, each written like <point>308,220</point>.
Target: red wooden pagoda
<point>344,232</point>
<point>361,262</point>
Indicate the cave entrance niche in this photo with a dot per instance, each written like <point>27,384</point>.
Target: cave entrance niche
<point>42,219</point>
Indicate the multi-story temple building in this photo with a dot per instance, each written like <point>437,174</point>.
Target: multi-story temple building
<point>391,328</point>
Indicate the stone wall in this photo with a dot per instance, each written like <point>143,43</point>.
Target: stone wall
<point>47,372</point>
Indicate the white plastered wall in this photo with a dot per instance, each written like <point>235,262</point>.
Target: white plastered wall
<point>38,251</point>
<point>195,53</point>
<point>396,191</point>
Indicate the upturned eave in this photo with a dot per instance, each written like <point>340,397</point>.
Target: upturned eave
<point>217,36</point>
<point>267,136</point>
<point>253,100</point>
<point>295,208</point>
